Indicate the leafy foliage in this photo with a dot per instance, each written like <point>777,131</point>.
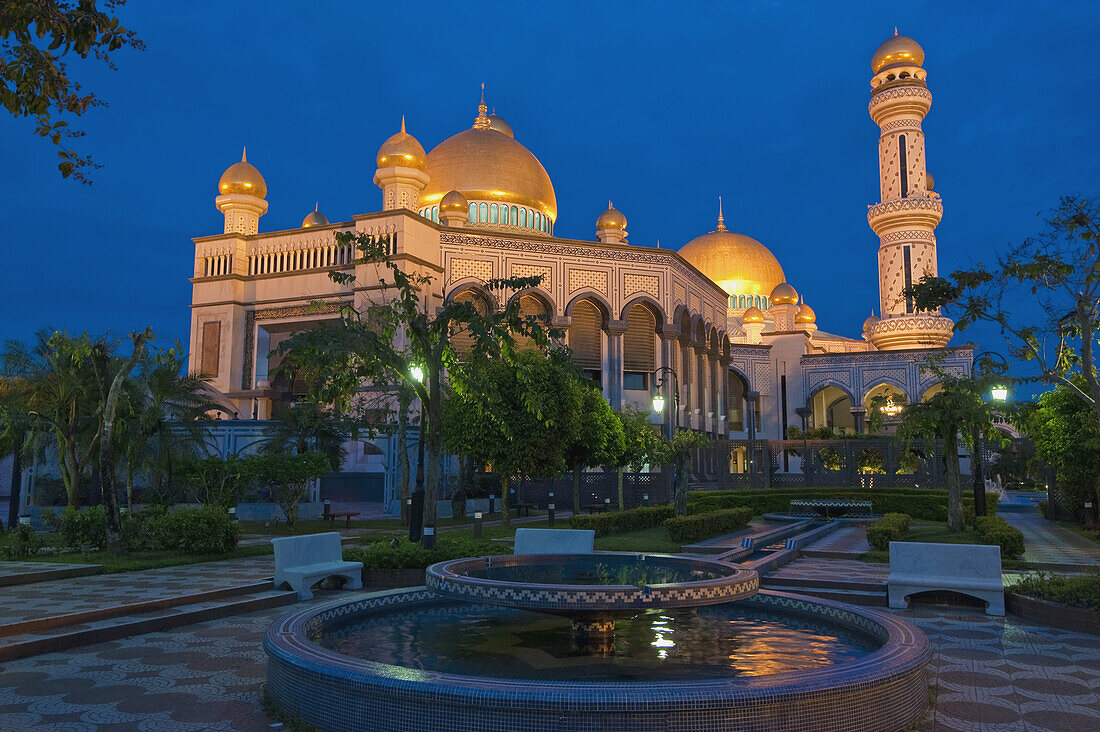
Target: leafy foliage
<point>1067,437</point>
<point>1080,591</point>
<point>920,503</point>
<point>621,522</point>
<point>403,554</point>
<point>995,530</point>
<point>891,527</point>
<point>679,452</point>
<point>34,81</point>
<point>685,529</point>
<point>288,477</point>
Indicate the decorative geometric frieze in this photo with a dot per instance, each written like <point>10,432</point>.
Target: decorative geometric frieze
<point>901,124</point>
<point>911,235</point>
<point>648,284</point>
<point>762,378</point>
<point>912,203</point>
<point>297,311</point>
<point>898,375</point>
<point>594,279</point>
<point>476,268</point>
<point>905,91</point>
<point>815,378</point>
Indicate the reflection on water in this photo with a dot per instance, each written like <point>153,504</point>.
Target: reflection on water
<point>712,642</point>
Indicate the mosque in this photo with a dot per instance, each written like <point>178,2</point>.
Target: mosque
<point>747,352</point>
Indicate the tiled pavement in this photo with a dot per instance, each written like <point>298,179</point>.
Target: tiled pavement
<point>1046,542</point>
<point>63,597</point>
<point>988,674</point>
<point>845,540</point>
<point>834,570</point>
<point>13,569</point>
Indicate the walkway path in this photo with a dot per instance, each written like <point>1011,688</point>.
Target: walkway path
<point>1045,542</point>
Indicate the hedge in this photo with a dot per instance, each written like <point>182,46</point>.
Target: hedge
<point>920,503</point>
<point>403,554</point>
<point>621,522</point>
<point>995,530</point>
<point>891,527</point>
<point>686,529</point>
<point>1083,591</point>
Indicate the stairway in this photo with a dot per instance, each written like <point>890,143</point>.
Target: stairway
<point>857,593</point>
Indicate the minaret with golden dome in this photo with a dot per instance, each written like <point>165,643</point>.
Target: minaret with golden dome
<point>241,194</point>
<point>905,219</point>
<point>611,226</point>
<point>401,174</point>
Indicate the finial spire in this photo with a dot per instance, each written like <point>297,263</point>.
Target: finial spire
<point>317,206</point>
<point>482,121</point>
<point>609,206</point>
<point>402,123</point>
<point>895,30</point>
<point>721,219</point>
<point>244,154</point>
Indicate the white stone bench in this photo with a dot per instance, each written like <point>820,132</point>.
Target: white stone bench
<point>554,541</point>
<point>970,569</point>
<point>303,561</point>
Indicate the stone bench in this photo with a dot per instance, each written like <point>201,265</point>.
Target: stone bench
<point>303,561</point>
<point>554,541</point>
<point>969,569</point>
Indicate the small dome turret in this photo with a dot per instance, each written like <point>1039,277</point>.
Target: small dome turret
<point>496,122</point>
<point>870,322</point>
<point>753,315</point>
<point>243,178</point>
<point>805,314</point>
<point>612,218</point>
<point>314,218</point>
<point>783,294</point>
<point>454,201</point>
<point>402,150</point>
<point>897,51</point>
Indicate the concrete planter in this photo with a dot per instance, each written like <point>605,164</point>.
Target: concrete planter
<point>386,579</point>
<point>1055,614</point>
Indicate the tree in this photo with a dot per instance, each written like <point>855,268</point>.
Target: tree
<point>51,395</point>
<point>678,452</point>
<point>308,427</point>
<point>641,445</point>
<point>37,36</point>
<point>958,408</point>
<point>217,481</point>
<point>1043,295</point>
<point>599,437</point>
<point>288,478</point>
<point>1066,437</point>
<point>519,416</point>
<point>380,342</point>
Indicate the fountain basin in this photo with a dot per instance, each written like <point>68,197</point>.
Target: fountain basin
<point>884,689</point>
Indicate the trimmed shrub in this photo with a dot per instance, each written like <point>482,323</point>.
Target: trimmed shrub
<point>1083,591</point>
<point>891,527</point>
<point>144,530</point>
<point>621,522</point>
<point>404,554</point>
<point>921,503</point>
<point>686,529</point>
<point>80,527</point>
<point>198,531</point>
<point>995,530</point>
<point>20,542</point>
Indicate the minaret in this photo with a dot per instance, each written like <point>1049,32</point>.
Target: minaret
<point>242,191</point>
<point>401,165</point>
<point>905,220</point>
<point>611,226</point>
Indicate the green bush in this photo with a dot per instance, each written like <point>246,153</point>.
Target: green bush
<point>20,543</point>
<point>891,527</point>
<point>80,527</point>
<point>404,554</point>
<point>198,531</point>
<point>1044,508</point>
<point>1082,591</point>
<point>621,522</point>
<point>686,529</point>
<point>921,503</point>
<point>995,530</point>
<point>144,530</point>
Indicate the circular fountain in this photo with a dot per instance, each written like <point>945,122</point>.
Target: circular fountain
<point>613,641</point>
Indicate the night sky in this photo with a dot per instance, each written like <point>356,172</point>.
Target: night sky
<point>661,107</point>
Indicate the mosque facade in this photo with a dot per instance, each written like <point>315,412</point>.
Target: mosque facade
<point>747,352</point>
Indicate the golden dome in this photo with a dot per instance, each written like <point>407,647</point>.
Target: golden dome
<point>897,51</point>
<point>753,315</point>
<point>485,164</point>
<point>612,218</point>
<point>929,181</point>
<point>402,149</point>
<point>783,294</point>
<point>497,123</point>
<point>243,178</point>
<point>805,314</point>
<point>454,201</point>
<point>870,322</point>
<point>738,264</point>
<point>314,218</point>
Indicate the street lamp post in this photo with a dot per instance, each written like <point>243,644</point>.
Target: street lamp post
<point>998,394</point>
<point>661,376</point>
<point>751,397</point>
<point>416,500</point>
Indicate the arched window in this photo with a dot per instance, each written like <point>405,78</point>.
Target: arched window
<point>493,213</point>
<point>904,164</point>
<point>473,213</point>
<point>515,216</point>
<point>504,214</point>
<point>483,212</point>
<point>435,214</point>
<point>523,217</point>
<point>538,220</point>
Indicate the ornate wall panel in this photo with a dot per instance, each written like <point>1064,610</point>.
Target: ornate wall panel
<point>580,278</point>
<point>634,283</point>
<point>476,268</point>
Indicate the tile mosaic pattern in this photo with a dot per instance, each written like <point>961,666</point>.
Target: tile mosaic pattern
<point>845,540</point>
<point>1046,542</point>
<point>834,569</point>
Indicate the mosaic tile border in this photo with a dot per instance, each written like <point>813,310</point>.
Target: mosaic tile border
<point>884,690</point>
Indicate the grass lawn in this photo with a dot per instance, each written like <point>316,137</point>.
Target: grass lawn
<point>1080,530</point>
<point>147,560</point>
<point>646,540</point>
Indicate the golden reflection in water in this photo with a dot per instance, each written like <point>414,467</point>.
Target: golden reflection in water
<point>758,654</point>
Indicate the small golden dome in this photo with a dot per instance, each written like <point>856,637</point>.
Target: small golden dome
<point>485,164</point>
<point>314,218</point>
<point>612,218</point>
<point>454,201</point>
<point>783,294</point>
<point>402,149</point>
<point>737,263</point>
<point>243,178</point>
<point>929,181</point>
<point>805,314</point>
<point>496,122</point>
<point>753,315</point>
<point>897,51</point>
<point>867,324</point>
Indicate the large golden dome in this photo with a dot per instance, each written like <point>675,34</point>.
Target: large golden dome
<point>485,164</point>
<point>739,264</point>
<point>243,178</point>
<point>897,51</point>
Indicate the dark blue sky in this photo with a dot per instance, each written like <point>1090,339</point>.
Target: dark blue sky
<point>661,107</point>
